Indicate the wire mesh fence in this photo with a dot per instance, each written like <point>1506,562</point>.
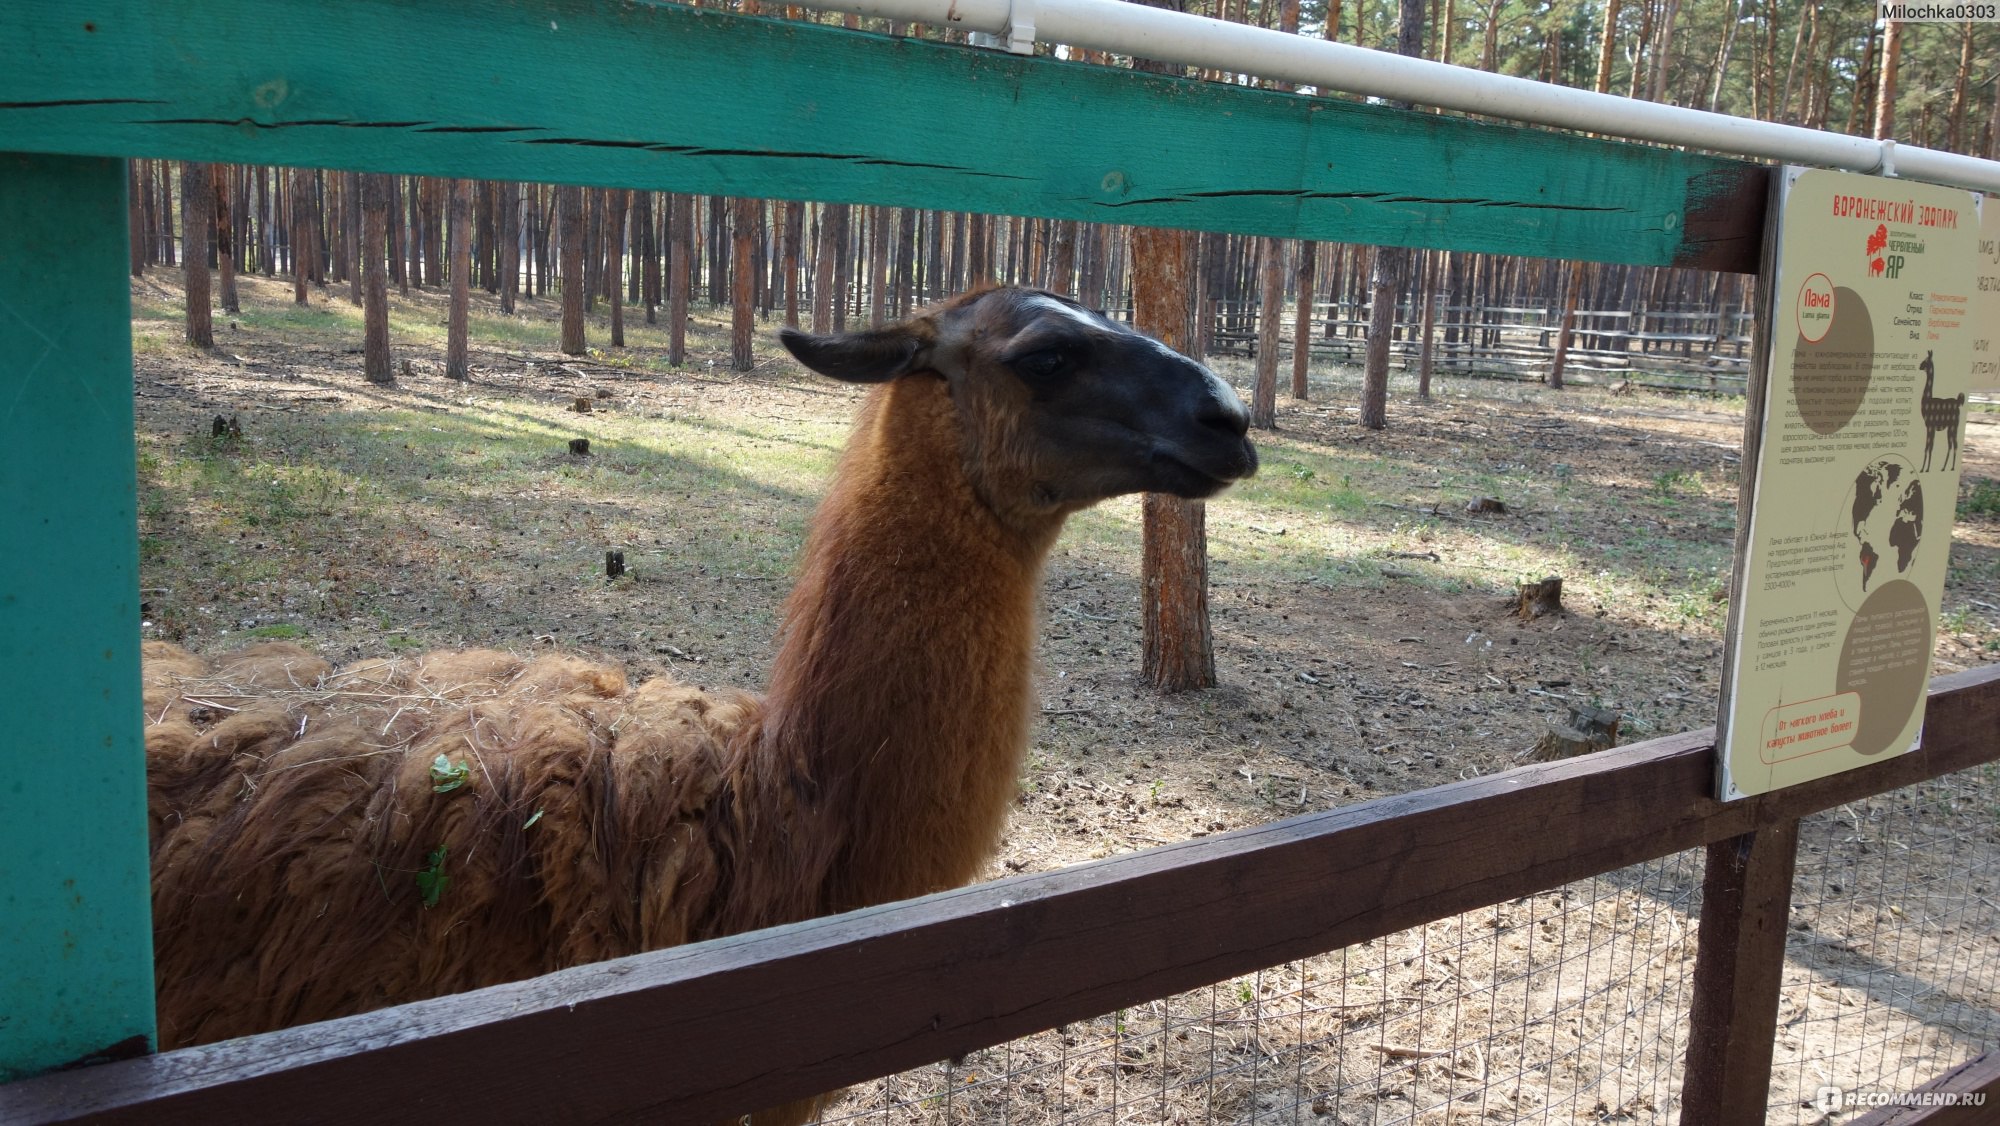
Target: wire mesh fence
<point>1893,961</point>
<point>1566,1006</point>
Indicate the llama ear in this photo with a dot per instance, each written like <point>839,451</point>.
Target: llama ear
<point>875,356</point>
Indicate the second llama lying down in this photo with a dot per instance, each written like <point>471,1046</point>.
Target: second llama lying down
<point>346,839</point>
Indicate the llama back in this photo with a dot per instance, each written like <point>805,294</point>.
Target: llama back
<point>312,857</point>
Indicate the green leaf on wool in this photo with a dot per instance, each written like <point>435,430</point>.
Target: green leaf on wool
<point>432,881</point>
<point>447,775</point>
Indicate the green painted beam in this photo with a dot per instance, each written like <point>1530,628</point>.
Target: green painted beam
<point>76,936</point>
<point>660,96</point>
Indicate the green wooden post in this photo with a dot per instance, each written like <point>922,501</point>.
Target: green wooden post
<point>76,949</point>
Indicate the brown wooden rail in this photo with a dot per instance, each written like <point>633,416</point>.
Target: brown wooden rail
<point>1975,1087</point>
<point>700,1032</point>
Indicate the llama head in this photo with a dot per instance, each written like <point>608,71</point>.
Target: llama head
<point>1060,407</point>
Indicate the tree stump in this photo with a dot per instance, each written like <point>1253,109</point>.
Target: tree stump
<point>225,429</point>
<point>581,405</point>
<point>614,564</point>
<point>1588,729</point>
<point>579,447</point>
<point>1535,600</point>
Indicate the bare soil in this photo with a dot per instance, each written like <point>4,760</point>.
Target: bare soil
<point>1365,634</point>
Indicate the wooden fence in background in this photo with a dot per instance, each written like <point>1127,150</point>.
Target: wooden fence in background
<point>1661,349</point>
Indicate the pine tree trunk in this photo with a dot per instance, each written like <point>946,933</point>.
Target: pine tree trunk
<point>267,214</point>
<point>680,238</point>
<point>1383,289</point>
<point>878,265</point>
<point>455,366</point>
<point>1389,265</point>
<point>350,232</point>
<point>225,239</point>
<point>1955,127</point>
<point>509,245</point>
<point>163,211</point>
<point>1571,289</point>
<point>905,280</point>
<point>240,212</point>
<point>954,278</point>
<point>795,229</point>
<point>743,305</point>
<point>1096,257</point>
<point>1270,329</point>
<point>1179,652</point>
<point>823,298</point>
<point>843,263</point>
<point>591,247</point>
<point>1062,256</point>
<point>1663,52</point>
<point>1733,16</point>
<point>1993,127</point>
<point>486,226</point>
<point>376,203</point>
<point>415,215</point>
<point>399,244</point>
<point>978,264</point>
<point>569,210</point>
<point>197,215</point>
<point>1302,317</point>
<point>135,217</point>
<point>1427,342</point>
<point>300,240</point>
<point>648,240</point>
<point>718,253</point>
<point>614,249</point>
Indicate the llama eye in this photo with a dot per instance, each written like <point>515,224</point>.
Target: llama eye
<point>1044,365</point>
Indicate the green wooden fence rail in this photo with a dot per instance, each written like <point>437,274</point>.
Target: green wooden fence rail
<point>659,96</point>
<point>620,94</point>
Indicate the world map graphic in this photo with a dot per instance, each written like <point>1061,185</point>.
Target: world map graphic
<point>1889,511</point>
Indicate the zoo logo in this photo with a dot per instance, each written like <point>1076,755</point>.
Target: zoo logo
<point>1877,262</point>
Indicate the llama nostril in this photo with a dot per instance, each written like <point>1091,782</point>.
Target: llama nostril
<point>1226,415</point>
<point>1221,408</point>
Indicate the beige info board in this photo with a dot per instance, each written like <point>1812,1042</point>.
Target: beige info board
<point>1869,354</point>
<point>1986,305</point>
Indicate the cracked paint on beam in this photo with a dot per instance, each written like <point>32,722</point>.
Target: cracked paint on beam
<point>660,96</point>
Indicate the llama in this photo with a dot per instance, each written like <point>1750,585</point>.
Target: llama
<point>328,841</point>
<point>1939,414</point>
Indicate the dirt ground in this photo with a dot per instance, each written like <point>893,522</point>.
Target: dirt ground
<point>1363,619</point>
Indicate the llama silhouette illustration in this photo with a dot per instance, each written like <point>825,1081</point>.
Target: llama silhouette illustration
<point>1939,414</point>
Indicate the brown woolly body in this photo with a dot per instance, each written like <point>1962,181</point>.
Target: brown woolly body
<point>288,836</point>
<point>331,841</point>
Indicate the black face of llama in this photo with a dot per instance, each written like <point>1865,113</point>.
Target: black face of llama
<point>1939,415</point>
<point>1062,406</point>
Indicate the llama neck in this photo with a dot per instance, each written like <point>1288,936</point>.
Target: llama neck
<point>900,698</point>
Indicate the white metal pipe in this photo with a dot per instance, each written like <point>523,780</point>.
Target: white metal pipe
<point>1189,40</point>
